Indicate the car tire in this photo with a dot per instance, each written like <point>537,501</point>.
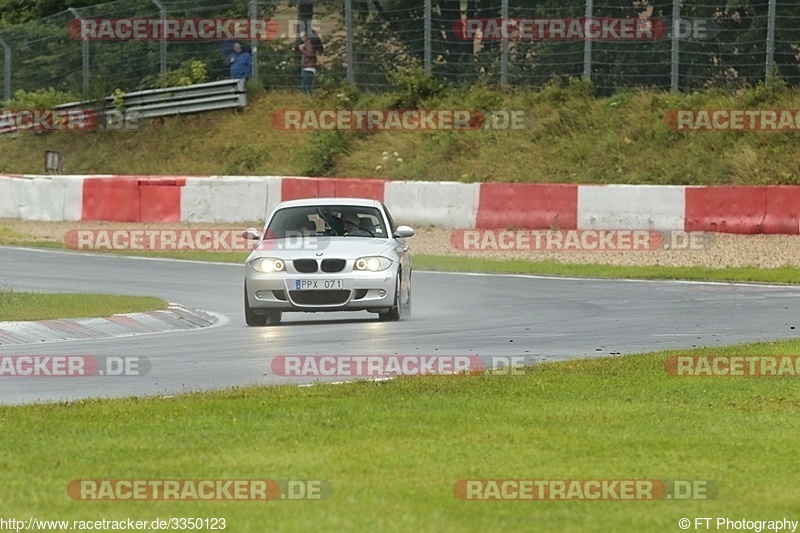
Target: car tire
<point>272,318</point>
<point>393,314</point>
<point>252,319</point>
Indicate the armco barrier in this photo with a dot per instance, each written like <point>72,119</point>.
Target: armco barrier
<point>527,205</point>
<point>41,197</point>
<point>294,188</point>
<point>631,207</point>
<point>725,209</point>
<point>115,199</point>
<point>229,198</point>
<point>160,199</point>
<point>444,204</point>
<point>782,210</point>
<point>132,199</point>
<point>743,209</point>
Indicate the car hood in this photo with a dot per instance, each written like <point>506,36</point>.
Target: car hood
<point>328,247</point>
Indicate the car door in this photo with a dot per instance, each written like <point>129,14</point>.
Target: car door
<point>402,250</point>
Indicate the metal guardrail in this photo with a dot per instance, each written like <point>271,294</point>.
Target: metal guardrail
<point>126,110</point>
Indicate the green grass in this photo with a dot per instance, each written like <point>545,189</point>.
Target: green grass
<point>571,137</point>
<point>15,305</point>
<point>392,451</point>
<point>552,268</point>
<point>449,263</point>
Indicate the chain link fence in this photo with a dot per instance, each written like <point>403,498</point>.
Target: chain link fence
<point>678,45</point>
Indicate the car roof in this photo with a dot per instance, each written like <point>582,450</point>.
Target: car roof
<point>309,202</point>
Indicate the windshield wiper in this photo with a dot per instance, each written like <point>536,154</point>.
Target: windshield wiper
<point>328,222</point>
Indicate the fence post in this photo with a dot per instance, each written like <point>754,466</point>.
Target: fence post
<point>770,38</point>
<point>504,46</point>
<point>587,44</point>
<point>676,43</point>
<point>6,70</point>
<point>254,41</point>
<point>85,55</point>
<point>163,11</point>
<point>427,38</point>
<point>348,24</point>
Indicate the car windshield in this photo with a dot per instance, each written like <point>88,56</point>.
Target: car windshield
<point>327,220</point>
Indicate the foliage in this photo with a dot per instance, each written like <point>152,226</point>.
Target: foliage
<point>324,148</point>
<point>412,86</point>
<point>243,158</point>
<point>40,99</point>
<point>189,73</point>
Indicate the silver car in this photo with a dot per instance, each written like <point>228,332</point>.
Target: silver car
<point>328,254</point>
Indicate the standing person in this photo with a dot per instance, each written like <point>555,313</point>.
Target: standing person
<point>240,62</point>
<point>308,63</point>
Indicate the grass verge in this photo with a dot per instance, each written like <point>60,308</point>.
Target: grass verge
<point>393,450</point>
<point>449,263</point>
<point>16,305</point>
<point>570,136</point>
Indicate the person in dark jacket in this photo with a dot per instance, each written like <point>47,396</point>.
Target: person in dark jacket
<point>308,63</point>
<point>240,62</point>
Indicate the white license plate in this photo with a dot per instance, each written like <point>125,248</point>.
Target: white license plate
<point>318,284</point>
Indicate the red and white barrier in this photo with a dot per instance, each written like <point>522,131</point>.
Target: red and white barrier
<point>631,207</point>
<point>728,209</point>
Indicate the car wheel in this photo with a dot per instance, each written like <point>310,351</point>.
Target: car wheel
<point>393,314</point>
<point>250,316</point>
<point>272,318</point>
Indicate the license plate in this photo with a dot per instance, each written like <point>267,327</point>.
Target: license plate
<point>318,284</point>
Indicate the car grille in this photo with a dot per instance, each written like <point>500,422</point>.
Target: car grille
<point>306,266</point>
<point>333,265</point>
<point>319,297</point>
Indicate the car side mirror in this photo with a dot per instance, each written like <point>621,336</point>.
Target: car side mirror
<point>404,231</point>
<point>251,234</point>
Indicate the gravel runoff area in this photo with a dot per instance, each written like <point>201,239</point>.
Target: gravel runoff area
<point>714,250</point>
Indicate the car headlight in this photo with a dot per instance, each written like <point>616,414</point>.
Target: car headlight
<point>268,264</point>
<point>373,263</point>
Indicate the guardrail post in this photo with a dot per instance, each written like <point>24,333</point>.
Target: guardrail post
<point>254,41</point>
<point>427,35</point>
<point>587,43</point>
<point>163,11</point>
<point>676,45</point>
<point>504,47</point>
<point>85,55</point>
<point>6,70</point>
<point>348,24</point>
<point>770,39</point>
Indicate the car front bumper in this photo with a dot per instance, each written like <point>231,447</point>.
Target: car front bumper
<point>352,291</point>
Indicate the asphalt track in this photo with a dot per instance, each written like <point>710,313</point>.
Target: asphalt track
<point>454,314</point>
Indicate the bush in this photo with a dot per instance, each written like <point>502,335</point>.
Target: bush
<point>323,150</point>
<point>188,73</point>
<point>242,158</point>
<point>40,99</point>
<point>412,86</point>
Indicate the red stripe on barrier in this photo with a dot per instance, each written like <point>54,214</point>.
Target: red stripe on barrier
<point>114,199</point>
<point>527,205</point>
<point>726,209</point>
<point>296,188</point>
<point>160,200</point>
<point>783,210</point>
<point>132,199</point>
<point>173,181</point>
